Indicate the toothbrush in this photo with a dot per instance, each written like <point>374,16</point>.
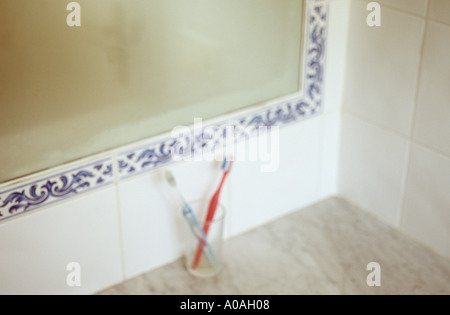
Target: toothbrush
<point>192,221</point>
<point>226,168</point>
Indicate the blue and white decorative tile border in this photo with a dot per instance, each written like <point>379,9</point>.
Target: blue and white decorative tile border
<point>24,198</point>
<point>48,189</point>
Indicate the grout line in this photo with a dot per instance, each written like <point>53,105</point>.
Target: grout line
<point>338,159</point>
<point>119,216</point>
<point>433,150</point>
<point>322,132</point>
<point>417,15</point>
<point>396,133</point>
<point>376,124</point>
<point>425,17</point>
<point>438,22</point>
<point>419,75</point>
<point>321,149</point>
<point>343,87</point>
<point>404,185</point>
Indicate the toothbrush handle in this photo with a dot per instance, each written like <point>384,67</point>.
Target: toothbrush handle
<point>209,217</point>
<point>198,232</point>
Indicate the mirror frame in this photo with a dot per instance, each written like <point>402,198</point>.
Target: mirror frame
<point>44,188</point>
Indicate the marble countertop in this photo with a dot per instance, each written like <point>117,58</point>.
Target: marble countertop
<point>322,249</point>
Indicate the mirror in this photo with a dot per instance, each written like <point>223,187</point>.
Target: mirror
<point>134,69</point>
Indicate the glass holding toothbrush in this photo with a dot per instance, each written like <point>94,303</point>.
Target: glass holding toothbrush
<point>209,262</point>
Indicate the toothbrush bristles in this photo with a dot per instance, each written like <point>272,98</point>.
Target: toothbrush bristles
<point>170,179</point>
<point>225,164</point>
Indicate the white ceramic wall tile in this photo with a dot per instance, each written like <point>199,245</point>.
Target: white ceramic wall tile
<point>258,197</point>
<point>411,6</point>
<point>151,219</point>
<point>36,248</point>
<point>150,226</point>
<point>331,139</point>
<point>426,213</point>
<point>432,123</point>
<point>382,67</point>
<point>440,11</point>
<point>336,55</point>
<point>372,167</point>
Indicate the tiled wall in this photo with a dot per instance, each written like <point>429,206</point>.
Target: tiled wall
<point>120,220</point>
<point>388,151</point>
<point>395,150</point>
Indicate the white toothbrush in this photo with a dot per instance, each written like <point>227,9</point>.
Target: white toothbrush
<point>192,220</point>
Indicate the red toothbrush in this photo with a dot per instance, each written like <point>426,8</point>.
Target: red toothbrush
<point>226,167</point>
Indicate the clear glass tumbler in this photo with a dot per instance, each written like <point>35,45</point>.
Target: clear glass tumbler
<point>204,259</point>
